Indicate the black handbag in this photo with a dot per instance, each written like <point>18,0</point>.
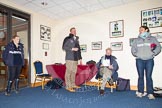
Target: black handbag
<point>123,84</point>
<point>157,92</point>
<point>56,83</point>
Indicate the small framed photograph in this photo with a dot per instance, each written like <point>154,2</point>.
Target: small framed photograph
<point>97,45</point>
<point>131,40</point>
<point>116,29</point>
<point>152,17</point>
<point>45,33</point>
<point>45,46</point>
<point>158,36</point>
<point>83,48</point>
<point>116,46</point>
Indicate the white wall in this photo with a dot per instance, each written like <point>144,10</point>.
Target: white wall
<point>94,27</point>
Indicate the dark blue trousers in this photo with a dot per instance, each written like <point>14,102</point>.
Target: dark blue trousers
<point>13,72</point>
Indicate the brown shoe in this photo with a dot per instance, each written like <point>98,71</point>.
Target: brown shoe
<point>76,87</point>
<point>70,89</point>
<point>102,92</point>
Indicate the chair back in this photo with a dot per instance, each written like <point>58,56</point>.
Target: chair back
<point>38,67</point>
<point>91,62</point>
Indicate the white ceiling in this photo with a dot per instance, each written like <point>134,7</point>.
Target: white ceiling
<point>59,9</point>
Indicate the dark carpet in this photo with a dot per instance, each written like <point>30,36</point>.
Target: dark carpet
<point>85,97</point>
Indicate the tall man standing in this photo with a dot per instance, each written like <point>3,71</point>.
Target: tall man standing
<point>73,55</point>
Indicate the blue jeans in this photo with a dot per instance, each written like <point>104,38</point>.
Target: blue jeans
<point>147,67</point>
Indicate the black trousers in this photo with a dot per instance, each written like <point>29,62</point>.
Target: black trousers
<point>13,72</point>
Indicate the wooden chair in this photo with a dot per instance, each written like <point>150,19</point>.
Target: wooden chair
<point>114,78</point>
<point>24,72</point>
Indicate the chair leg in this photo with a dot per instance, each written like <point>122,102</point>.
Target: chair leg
<point>85,84</point>
<point>111,88</point>
<point>34,82</point>
<point>43,80</point>
<point>98,85</point>
<point>115,84</point>
<point>26,82</point>
<point>5,83</point>
<point>42,83</point>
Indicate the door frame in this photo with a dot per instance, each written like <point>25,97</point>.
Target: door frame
<point>10,12</point>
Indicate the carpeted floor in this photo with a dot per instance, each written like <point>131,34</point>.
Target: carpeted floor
<point>85,97</point>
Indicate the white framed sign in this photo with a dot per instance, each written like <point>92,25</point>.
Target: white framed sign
<point>45,33</point>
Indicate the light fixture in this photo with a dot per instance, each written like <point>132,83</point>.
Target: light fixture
<point>44,3</point>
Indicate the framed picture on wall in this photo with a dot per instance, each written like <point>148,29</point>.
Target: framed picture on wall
<point>97,45</point>
<point>116,46</point>
<point>152,17</point>
<point>116,28</point>
<point>45,46</point>
<point>45,33</point>
<point>83,48</point>
<point>158,36</point>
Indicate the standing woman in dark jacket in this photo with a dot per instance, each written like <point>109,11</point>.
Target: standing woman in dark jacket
<point>13,57</point>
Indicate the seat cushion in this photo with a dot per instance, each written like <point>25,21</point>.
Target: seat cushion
<point>44,75</point>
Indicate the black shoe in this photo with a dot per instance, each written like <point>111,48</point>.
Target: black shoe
<point>8,89</point>
<point>111,83</point>
<point>102,92</point>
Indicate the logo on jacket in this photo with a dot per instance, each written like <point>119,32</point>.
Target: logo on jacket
<point>15,52</point>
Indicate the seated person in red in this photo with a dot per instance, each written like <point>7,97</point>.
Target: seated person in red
<point>107,66</point>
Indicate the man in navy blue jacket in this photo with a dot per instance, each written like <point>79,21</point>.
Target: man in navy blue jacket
<point>13,57</point>
<point>107,67</point>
